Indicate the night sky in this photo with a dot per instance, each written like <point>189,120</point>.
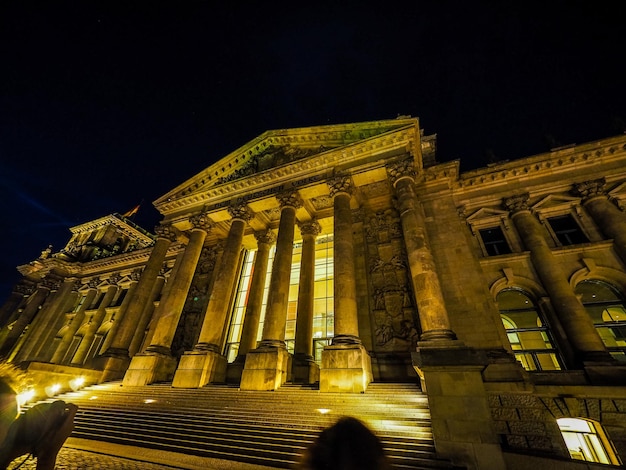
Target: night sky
<point>107,104</point>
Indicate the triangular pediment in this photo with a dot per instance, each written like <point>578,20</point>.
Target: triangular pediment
<point>278,149</point>
<point>555,202</point>
<point>487,214</point>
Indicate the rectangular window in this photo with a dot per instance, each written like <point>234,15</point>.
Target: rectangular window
<point>567,230</point>
<point>494,241</point>
<point>323,297</point>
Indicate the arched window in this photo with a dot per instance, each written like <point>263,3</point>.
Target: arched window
<point>528,334</point>
<point>586,440</point>
<point>608,312</point>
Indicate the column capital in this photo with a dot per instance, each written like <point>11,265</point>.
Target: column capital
<point>201,221</point>
<point>289,199</point>
<point>340,184</point>
<point>165,231</point>
<point>403,169</point>
<point>516,203</point>
<point>241,212</point>
<point>50,283</point>
<point>590,189</point>
<point>25,288</point>
<point>266,236</point>
<point>310,227</point>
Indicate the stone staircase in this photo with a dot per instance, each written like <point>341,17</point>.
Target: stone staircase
<point>265,428</point>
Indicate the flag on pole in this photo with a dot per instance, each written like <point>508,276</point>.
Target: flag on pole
<point>132,212</point>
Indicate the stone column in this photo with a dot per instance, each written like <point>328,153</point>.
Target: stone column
<point>587,344</point>
<point>94,324</point>
<point>305,370</point>
<point>346,365</point>
<point>43,327</point>
<point>156,363</point>
<point>117,358</point>
<point>32,307</point>
<point>75,322</point>
<point>19,296</point>
<point>252,317</point>
<point>118,316</point>
<point>206,364</point>
<point>142,325</point>
<point>431,306</point>
<point>610,219</point>
<point>267,366</point>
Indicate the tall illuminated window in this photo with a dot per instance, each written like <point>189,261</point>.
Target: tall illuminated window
<point>528,334</point>
<point>608,313</point>
<point>323,316</point>
<point>586,440</point>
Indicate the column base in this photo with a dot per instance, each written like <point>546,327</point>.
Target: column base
<point>199,368</point>
<point>462,424</point>
<point>147,368</point>
<point>265,369</point>
<point>113,367</point>
<point>305,370</point>
<point>345,368</point>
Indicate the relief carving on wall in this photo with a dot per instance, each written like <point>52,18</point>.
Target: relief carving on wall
<point>394,313</point>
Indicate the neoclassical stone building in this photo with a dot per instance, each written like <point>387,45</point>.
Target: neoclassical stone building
<point>345,254</point>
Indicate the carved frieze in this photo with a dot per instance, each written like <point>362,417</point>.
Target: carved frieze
<point>383,226</point>
<point>207,260</point>
<point>393,313</point>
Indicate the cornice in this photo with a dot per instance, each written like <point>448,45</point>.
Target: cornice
<point>557,161</point>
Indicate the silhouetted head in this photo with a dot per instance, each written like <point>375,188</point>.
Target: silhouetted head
<point>346,445</point>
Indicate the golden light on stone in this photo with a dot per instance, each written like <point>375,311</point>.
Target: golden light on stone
<point>53,389</point>
<point>77,383</point>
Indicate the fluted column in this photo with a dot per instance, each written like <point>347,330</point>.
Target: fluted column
<point>431,307</point>
<point>304,368</point>
<point>94,324</point>
<point>346,365</point>
<point>252,317</point>
<point>610,219</point>
<point>572,315</point>
<point>146,316</point>
<point>75,322</point>
<point>278,297</point>
<point>157,363</point>
<point>266,367</point>
<point>33,305</point>
<point>19,296</point>
<point>133,316</point>
<point>43,327</point>
<point>206,363</point>
<point>346,317</point>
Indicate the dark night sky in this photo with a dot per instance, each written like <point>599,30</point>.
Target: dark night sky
<point>106,104</point>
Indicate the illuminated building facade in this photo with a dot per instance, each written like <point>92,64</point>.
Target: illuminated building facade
<point>345,254</point>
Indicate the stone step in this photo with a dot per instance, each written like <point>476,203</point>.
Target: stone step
<point>268,428</point>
